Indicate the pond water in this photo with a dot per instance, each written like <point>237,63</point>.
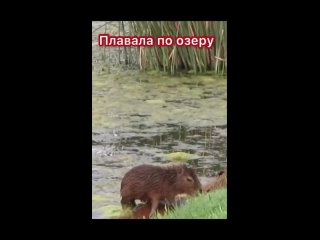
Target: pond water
<point>145,117</point>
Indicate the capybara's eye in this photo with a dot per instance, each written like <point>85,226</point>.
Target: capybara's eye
<point>189,179</point>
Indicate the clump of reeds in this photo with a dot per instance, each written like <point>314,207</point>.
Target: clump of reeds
<point>175,58</point>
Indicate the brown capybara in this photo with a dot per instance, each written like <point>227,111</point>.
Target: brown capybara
<point>151,184</point>
<point>217,182</point>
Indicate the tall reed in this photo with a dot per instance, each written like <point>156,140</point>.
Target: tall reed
<point>174,58</point>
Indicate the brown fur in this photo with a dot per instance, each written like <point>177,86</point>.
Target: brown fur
<point>143,210</point>
<point>217,182</point>
<point>152,184</point>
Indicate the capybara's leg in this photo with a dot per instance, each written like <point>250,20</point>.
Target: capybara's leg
<point>155,203</point>
<point>127,202</point>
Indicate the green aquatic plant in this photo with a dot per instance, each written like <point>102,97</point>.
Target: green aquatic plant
<point>98,198</point>
<point>155,101</point>
<point>179,156</point>
<point>110,211</point>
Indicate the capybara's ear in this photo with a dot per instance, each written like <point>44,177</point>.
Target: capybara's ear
<point>221,172</point>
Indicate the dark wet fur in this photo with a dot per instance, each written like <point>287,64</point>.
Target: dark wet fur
<point>146,182</point>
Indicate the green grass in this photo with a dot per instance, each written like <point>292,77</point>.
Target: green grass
<point>207,206</point>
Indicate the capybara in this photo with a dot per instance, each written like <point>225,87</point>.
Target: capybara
<point>143,210</point>
<point>151,184</point>
<point>217,182</point>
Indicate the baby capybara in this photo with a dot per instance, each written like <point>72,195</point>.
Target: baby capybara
<point>217,182</point>
<point>151,184</point>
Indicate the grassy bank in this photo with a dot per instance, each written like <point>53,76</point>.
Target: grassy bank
<point>208,206</point>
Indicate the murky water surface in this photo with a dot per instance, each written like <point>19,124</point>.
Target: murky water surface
<point>144,118</point>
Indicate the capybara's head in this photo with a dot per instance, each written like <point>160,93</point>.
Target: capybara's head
<point>187,180</point>
<point>220,181</point>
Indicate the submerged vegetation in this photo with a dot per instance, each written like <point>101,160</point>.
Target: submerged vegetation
<point>179,156</point>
